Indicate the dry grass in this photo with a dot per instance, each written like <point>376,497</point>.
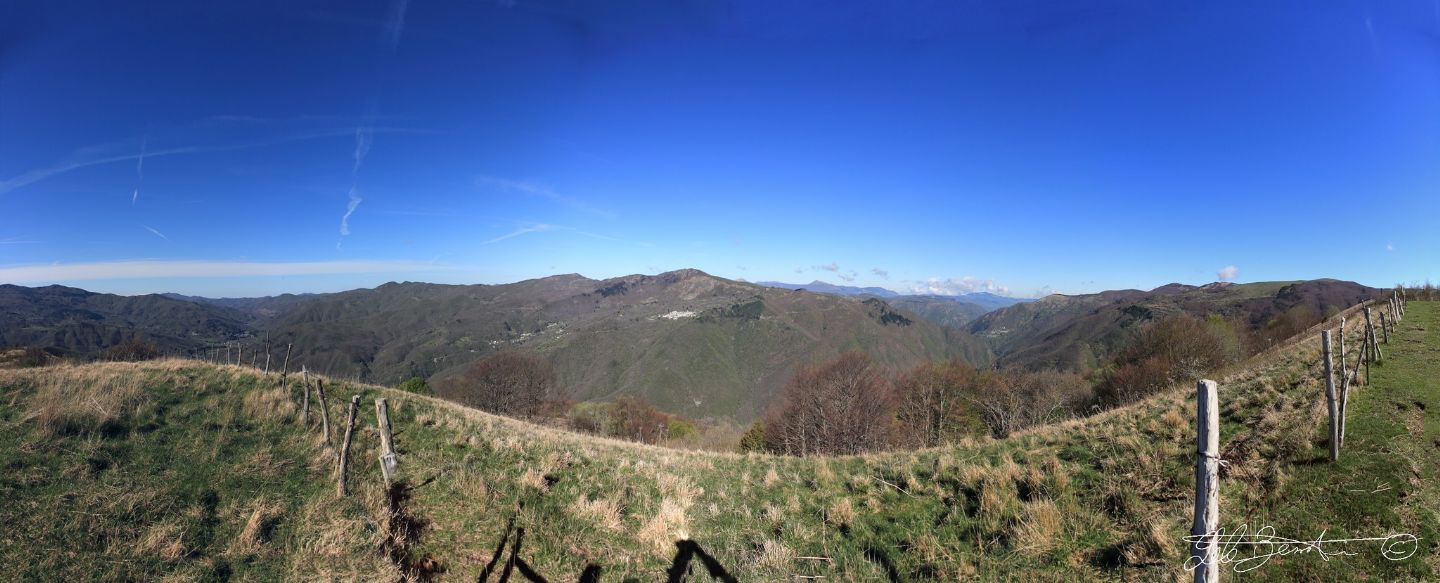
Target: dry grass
<point>262,520</point>
<point>1039,525</point>
<point>604,513</point>
<point>74,399</point>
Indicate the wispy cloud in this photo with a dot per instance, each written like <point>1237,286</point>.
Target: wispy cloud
<point>832,266</point>
<point>138,269</point>
<point>395,24</point>
<point>536,228</point>
<point>529,188</point>
<point>1227,273</point>
<point>101,154</point>
<point>881,273</point>
<point>17,241</point>
<point>157,233</point>
<point>139,171</point>
<point>355,201</point>
<point>1390,247</point>
<point>959,286</point>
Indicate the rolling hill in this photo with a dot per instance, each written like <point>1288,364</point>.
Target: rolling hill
<point>74,321</point>
<point>1079,332</point>
<point>691,343</point>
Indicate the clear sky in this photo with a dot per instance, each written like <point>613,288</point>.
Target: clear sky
<point>251,148</point>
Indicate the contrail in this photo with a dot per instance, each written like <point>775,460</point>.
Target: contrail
<point>355,201</point>
<point>395,24</point>
<point>365,132</point>
<point>93,156</point>
<point>157,233</point>
<point>139,170</point>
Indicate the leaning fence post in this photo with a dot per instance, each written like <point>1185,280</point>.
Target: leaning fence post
<point>324,409</point>
<point>1375,354</point>
<point>285,368</point>
<point>1330,398</point>
<point>1204,547</point>
<point>345,448</point>
<point>387,443</point>
<point>1384,328</point>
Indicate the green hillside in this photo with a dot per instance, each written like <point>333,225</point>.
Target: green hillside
<point>179,470</point>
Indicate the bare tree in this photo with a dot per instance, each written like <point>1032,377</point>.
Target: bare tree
<point>1010,400</point>
<point>838,407</point>
<point>507,383</point>
<point>932,400</point>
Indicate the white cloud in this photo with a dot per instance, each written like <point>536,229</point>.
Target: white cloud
<point>153,268</point>
<point>832,266</point>
<point>1227,273</point>
<point>1389,246</point>
<point>355,201</point>
<point>964,285</point>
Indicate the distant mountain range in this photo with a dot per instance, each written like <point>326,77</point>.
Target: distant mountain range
<point>689,342</point>
<point>1080,332</point>
<point>953,311</point>
<point>686,341</point>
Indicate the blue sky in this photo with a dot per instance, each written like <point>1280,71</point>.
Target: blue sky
<point>1021,147</point>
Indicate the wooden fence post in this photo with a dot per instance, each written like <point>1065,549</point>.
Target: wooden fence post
<point>1331,399</point>
<point>1384,328</point>
<point>1344,383</point>
<point>285,368</point>
<point>345,448</point>
<point>305,401</point>
<point>324,410</point>
<point>1375,354</point>
<point>387,443</point>
<point>1204,548</point>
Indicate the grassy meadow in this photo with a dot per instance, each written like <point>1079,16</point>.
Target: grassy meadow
<point>184,471</point>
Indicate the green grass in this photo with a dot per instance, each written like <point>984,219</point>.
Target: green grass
<point>1104,498</point>
<point>1382,484</point>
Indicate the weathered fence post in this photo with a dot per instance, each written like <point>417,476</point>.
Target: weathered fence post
<point>1384,328</point>
<point>305,401</point>
<point>1331,399</point>
<point>285,368</point>
<point>1375,354</point>
<point>387,444</point>
<point>1204,548</point>
<point>324,409</point>
<point>345,448</point>
<point>1344,383</point>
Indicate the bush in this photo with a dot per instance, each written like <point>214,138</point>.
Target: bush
<point>415,385</point>
<point>132,350</point>
<point>754,438</point>
<point>1178,349</point>
<point>630,418</point>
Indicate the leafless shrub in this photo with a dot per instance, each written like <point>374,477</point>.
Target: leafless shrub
<point>842,406</point>
<point>507,383</point>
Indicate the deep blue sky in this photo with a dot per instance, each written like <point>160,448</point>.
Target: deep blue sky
<point>1019,147</point>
